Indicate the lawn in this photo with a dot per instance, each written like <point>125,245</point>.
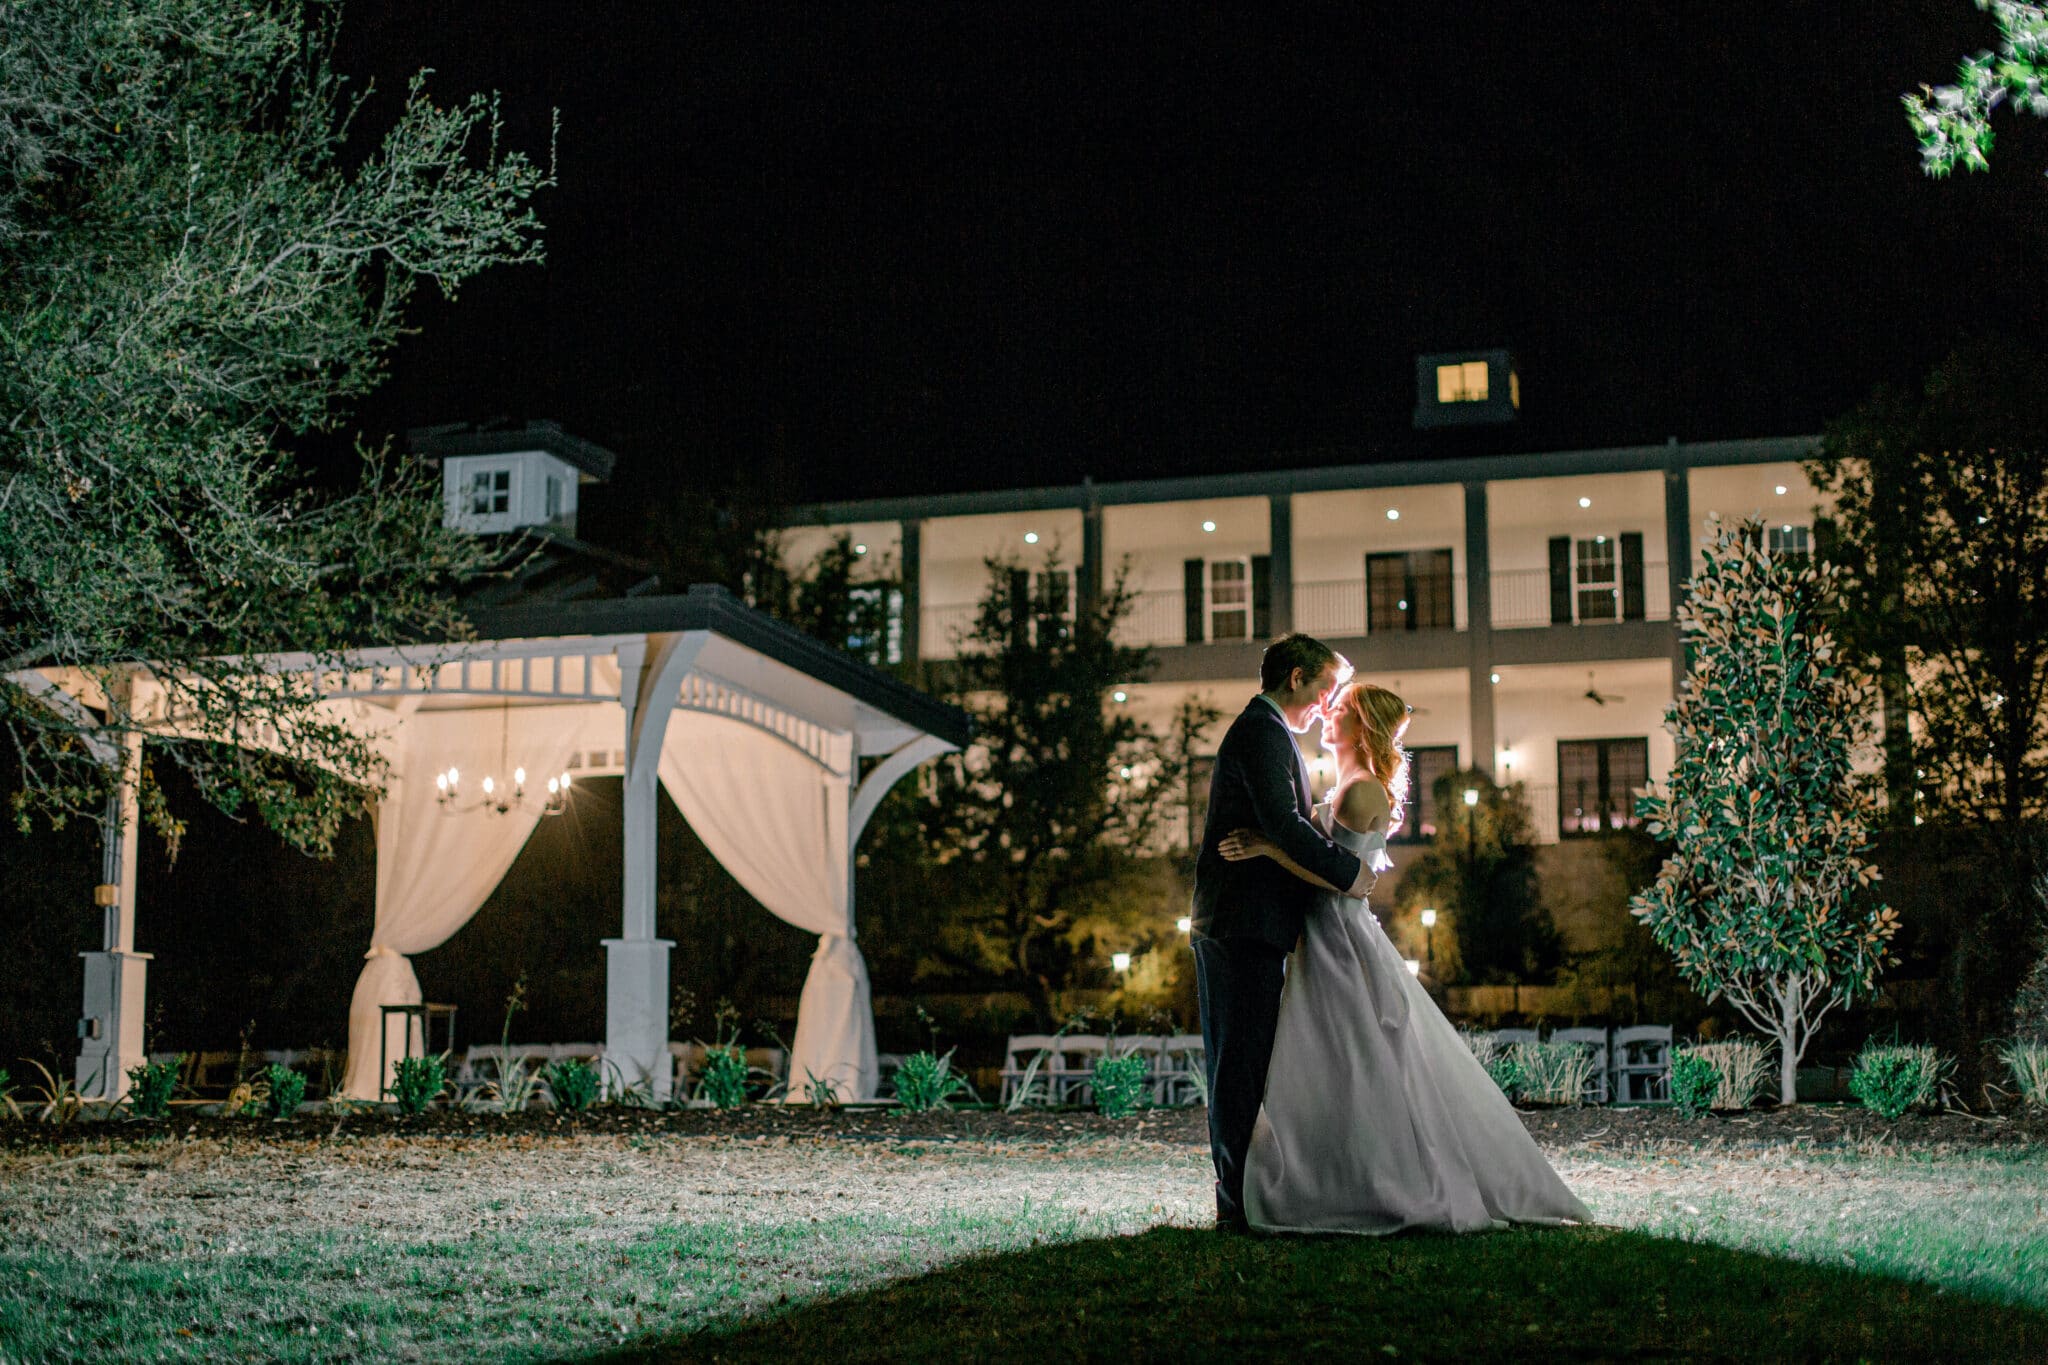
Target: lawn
<point>878,1241</point>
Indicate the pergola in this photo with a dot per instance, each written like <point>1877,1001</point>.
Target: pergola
<point>757,732</point>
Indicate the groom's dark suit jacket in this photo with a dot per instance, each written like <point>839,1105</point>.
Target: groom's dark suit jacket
<point>1261,783</point>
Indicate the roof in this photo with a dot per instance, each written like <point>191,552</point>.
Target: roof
<point>706,606</point>
<point>498,436</point>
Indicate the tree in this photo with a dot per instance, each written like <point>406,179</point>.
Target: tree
<point>1481,870</point>
<point>1765,898</point>
<point>1940,526</point>
<point>199,262</point>
<point>1953,122</point>
<point>1047,819</point>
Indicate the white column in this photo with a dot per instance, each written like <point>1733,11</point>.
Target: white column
<point>636,963</point>
<point>110,1030</point>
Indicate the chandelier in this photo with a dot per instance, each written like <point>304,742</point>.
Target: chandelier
<point>496,797</point>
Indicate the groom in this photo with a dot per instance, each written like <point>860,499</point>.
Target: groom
<point>1248,914</point>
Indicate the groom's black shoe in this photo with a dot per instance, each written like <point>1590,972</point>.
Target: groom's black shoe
<point>1232,1225</point>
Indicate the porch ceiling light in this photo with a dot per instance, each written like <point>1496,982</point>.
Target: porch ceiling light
<point>1120,695</point>
<point>1585,502</point>
<point>1779,490</point>
<point>1208,526</point>
<point>1493,677</point>
<point>1031,537</point>
<point>1393,514</point>
<point>860,549</point>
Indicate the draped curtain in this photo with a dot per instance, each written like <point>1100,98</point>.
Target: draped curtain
<point>435,870</point>
<point>777,820</point>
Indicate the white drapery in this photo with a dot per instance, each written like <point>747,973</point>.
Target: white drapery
<point>435,870</point>
<point>777,820</point>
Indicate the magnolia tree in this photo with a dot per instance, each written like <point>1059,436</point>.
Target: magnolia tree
<point>1953,122</point>
<point>1766,899</point>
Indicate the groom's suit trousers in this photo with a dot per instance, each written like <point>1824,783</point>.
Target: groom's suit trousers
<point>1238,982</point>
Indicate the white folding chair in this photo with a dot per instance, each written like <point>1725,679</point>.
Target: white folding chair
<point>1505,1038</point>
<point>1595,1039</point>
<point>1074,1058</point>
<point>1642,1064</point>
<point>1017,1055</point>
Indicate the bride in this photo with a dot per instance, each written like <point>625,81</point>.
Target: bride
<point>1377,1116</point>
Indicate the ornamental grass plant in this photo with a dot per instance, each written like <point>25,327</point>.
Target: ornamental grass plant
<point>1552,1073</point>
<point>1741,1066</point>
<point>2027,1061</point>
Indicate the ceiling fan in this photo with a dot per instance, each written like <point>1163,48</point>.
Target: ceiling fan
<point>1595,695</point>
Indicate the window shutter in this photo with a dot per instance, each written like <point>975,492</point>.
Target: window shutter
<point>1020,606</point>
<point>1560,580</point>
<point>1191,582</point>
<point>1262,596</point>
<point>1631,575</point>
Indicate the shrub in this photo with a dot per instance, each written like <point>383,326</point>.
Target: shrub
<point>926,1082</point>
<point>419,1082</point>
<point>287,1091</point>
<point>1694,1082</point>
<point>1891,1078</point>
<point>1552,1073</point>
<point>1120,1083</point>
<point>573,1083</point>
<point>2027,1061</point>
<point>724,1081</point>
<point>1743,1067</point>
<point>150,1086</point>
<point>1501,1063</point>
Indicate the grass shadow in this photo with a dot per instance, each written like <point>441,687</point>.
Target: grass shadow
<point>1182,1295</point>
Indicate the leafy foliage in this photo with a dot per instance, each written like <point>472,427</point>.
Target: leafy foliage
<point>1503,1064</point>
<point>2028,1064</point>
<point>1891,1078</point>
<point>573,1084</point>
<point>724,1078</point>
<point>925,1082</point>
<point>150,1086</point>
<point>1121,1084</point>
<point>418,1082</point>
<point>7,1100</point>
<point>1049,822</point>
<point>200,257</point>
<point>1953,122</point>
<point>287,1090</point>
<point>1694,1080</point>
<point>1765,899</point>
<point>1481,868</point>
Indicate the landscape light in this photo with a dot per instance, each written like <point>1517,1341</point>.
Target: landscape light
<point>1414,967</point>
<point>1429,919</point>
<point>1184,924</point>
<point>1471,796</point>
<point>1121,961</point>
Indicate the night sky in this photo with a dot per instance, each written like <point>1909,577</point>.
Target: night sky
<point>885,249</point>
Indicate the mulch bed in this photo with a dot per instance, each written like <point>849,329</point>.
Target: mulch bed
<point>1810,1126</point>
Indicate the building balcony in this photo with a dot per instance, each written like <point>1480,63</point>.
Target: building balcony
<point>1541,597</point>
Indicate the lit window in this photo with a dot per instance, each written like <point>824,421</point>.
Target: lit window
<point>490,492</point>
<point>1230,599</point>
<point>1791,540</point>
<point>1464,382</point>
<point>1599,580</point>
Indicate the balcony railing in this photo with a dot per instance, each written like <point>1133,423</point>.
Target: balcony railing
<point>1521,597</point>
<point>1337,607</point>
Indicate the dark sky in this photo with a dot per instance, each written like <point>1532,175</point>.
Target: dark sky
<point>910,247</point>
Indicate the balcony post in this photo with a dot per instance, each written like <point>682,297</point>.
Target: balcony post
<point>1479,626</point>
<point>1090,587</point>
<point>1280,555</point>
<point>1678,550</point>
<point>911,573</point>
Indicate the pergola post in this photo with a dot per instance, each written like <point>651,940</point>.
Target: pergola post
<point>110,1028</point>
<point>636,963</point>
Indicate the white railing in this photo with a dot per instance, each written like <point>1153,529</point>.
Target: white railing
<point>1521,597</point>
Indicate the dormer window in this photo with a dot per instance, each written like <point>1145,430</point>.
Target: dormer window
<point>1462,388</point>
<point>1463,382</point>
<point>490,492</point>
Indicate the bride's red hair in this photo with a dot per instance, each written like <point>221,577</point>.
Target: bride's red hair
<point>1382,720</point>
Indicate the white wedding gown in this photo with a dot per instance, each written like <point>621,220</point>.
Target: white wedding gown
<point>1377,1116</point>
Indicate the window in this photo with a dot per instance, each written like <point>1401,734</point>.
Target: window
<point>1596,783</point>
<point>1598,579</point>
<point>1409,590</point>
<point>1791,540</point>
<point>1420,822</point>
<point>1057,588</point>
<point>1230,599</point>
<point>874,625</point>
<point>553,511</point>
<point>1464,382</point>
<point>490,492</point>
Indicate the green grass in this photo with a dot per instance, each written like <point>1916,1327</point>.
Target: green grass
<point>569,1247</point>
<point>1579,1294</point>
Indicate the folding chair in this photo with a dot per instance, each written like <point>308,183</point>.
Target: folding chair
<point>1183,1075</point>
<point>1642,1064</point>
<point>1074,1058</point>
<point>1017,1055</point>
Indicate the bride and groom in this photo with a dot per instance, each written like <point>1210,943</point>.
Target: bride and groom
<point>1340,1097</point>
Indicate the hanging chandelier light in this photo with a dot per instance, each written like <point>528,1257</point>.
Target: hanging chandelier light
<point>498,798</point>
